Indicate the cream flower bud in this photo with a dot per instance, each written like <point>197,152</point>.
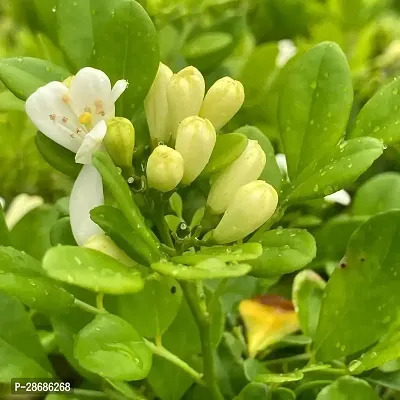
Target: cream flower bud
<point>120,141</point>
<point>223,100</point>
<point>185,95</point>
<point>252,206</point>
<point>164,168</point>
<point>105,244</point>
<point>246,168</point>
<point>156,106</point>
<point>195,141</point>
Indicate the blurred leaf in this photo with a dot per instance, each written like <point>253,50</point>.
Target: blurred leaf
<point>8,102</point>
<point>61,233</point>
<point>110,347</point>
<point>271,172</point>
<point>155,307</point>
<point>379,194</point>
<point>348,388</point>
<point>253,391</point>
<point>92,270</point>
<point>4,233</point>
<point>361,298</point>
<point>284,251</point>
<point>23,75</point>
<point>175,202</point>
<point>316,97</point>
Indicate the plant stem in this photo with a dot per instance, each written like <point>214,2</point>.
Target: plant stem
<point>162,225</point>
<point>87,307</point>
<point>164,353</point>
<point>203,324</point>
<point>99,301</point>
<point>300,357</point>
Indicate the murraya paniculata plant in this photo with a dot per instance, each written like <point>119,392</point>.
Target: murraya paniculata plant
<point>158,277</point>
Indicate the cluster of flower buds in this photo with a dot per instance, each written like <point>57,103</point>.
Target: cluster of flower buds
<point>179,113</point>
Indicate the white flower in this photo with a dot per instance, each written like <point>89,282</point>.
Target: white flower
<point>20,206</point>
<point>340,197</point>
<point>287,50</point>
<point>74,115</point>
<point>282,163</point>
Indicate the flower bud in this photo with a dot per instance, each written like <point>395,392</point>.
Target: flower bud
<point>164,168</point>
<point>223,100</point>
<point>105,244</point>
<point>252,205</point>
<point>195,141</point>
<point>246,168</point>
<point>185,94</point>
<point>120,141</point>
<point>156,106</point>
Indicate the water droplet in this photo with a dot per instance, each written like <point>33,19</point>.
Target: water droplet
<point>70,278</point>
<point>313,85</point>
<point>20,59</point>
<point>395,91</point>
<point>342,348</point>
<point>78,261</point>
<point>316,187</point>
<point>377,128</point>
<point>279,230</point>
<point>54,9</point>
<point>312,122</point>
<point>374,354</point>
<point>354,365</point>
<point>350,165</point>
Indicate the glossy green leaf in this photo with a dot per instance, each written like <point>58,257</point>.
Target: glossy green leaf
<point>5,239</point>
<point>307,292</point>
<point>23,75</point>
<point>175,201</point>
<point>114,223</point>
<point>390,380</point>
<point>92,270</point>
<point>271,172</point>
<point>211,268</point>
<point>348,388</point>
<point>111,348</point>
<point>61,233</point>
<point>155,307</point>
<point>280,378</point>
<point>239,252</point>
<point>228,148</point>
<point>333,236</point>
<point>379,194</point>
<point>57,156</point>
<point>115,36</point>
<point>361,298</point>
<point>284,251</point>
<point>21,354</point>
<point>206,45</point>
<point>253,391</point>
<point>40,220</point>
<point>22,276</point>
<point>380,117</point>
<point>337,169</point>
<point>314,105</point>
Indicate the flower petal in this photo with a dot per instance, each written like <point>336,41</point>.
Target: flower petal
<point>91,92</point>
<point>340,197</point>
<point>86,194</point>
<point>118,89</point>
<point>53,116</point>
<point>91,143</point>
<point>20,206</point>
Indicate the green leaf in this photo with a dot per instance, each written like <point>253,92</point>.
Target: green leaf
<point>348,388</point>
<point>58,157</point>
<point>314,105</point>
<point>21,354</point>
<point>271,172</point>
<point>227,149</point>
<point>61,233</point>
<point>280,378</point>
<point>308,289</point>
<point>92,270</point>
<point>333,236</point>
<point>239,252</point>
<point>23,277</point>
<point>8,102</point>
<point>361,298</point>
<point>23,75</point>
<point>337,169</point>
<point>155,307</point>
<point>284,251</point>
<point>173,222</point>
<point>5,239</point>
<point>175,201</point>
<point>253,391</point>
<point>115,36</point>
<point>40,221</point>
<point>390,380</point>
<point>111,348</point>
<point>379,118</point>
<point>212,268</point>
<point>114,223</point>
<point>379,194</point>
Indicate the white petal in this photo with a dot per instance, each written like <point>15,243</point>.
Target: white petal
<point>118,89</point>
<point>20,206</point>
<point>340,197</point>
<point>86,194</point>
<point>91,143</point>
<point>90,88</point>
<point>282,164</point>
<point>2,202</point>
<point>53,116</point>
<point>287,50</point>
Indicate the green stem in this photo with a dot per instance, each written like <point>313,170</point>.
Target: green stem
<point>162,225</point>
<point>203,324</point>
<point>300,357</point>
<point>164,353</point>
<point>87,307</point>
<point>87,392</point>
<point>272,221</point>
<point>99,301</point>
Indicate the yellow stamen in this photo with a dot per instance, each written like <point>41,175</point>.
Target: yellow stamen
<point>66,99</point>
<point>85,118</point>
